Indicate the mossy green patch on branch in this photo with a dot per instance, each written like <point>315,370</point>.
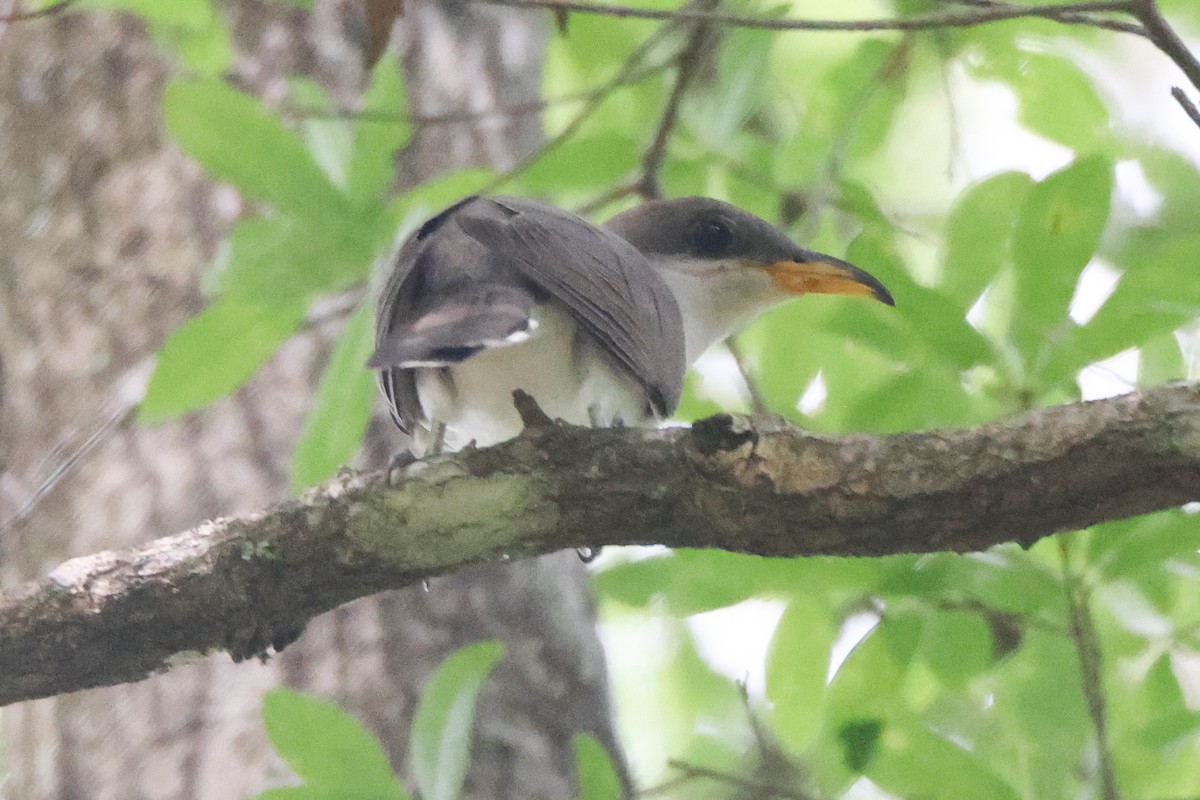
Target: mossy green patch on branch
<point>435,524</point>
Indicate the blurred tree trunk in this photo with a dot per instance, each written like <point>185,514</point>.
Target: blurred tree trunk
<point>106,230</point>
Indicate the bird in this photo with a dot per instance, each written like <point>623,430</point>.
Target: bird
<point>598,324</point>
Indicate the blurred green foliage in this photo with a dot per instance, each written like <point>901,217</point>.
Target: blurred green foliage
<point>987,176</point>
<point>337,758</point>
<point>328,750</point>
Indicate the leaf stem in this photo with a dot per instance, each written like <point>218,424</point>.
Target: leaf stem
<point>758,402</point>
<point>1082,631</point>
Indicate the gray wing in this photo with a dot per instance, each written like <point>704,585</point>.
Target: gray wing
<point>443,302</point>
<point>470,277</point>
<point>604,282</point>
<point>475,317</point>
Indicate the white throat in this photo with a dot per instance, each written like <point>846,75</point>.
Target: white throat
<point>717,298</point>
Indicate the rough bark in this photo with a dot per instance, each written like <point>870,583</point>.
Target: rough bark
<point>249,585</point>
<point>107,230</point>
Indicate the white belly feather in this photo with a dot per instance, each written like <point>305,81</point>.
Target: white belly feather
<point>570,383</point>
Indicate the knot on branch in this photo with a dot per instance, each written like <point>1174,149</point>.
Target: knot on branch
<point>531,414</point>
<point>723,433</point>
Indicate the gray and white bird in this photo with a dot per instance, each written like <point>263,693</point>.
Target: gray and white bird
<point>597,324</point>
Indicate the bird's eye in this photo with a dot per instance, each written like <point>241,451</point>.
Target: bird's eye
<point>711,237</point>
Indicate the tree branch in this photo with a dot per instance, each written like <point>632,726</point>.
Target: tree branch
<point>249,585</point>
<point>1071,18</point>
<point>1166,39</point>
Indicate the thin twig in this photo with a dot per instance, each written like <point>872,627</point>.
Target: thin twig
<point>757,401</point>
<point>1165,38</point>
<point>821,192</point>
<point>1069,18</point>
<point>1087,646</point>
<point>762,790</point>
<point>592,102</point>
<point>454,117</point>
<point>974,605</point>
<point>666,787</point>
<point>687,63</point>
<point>69,455</point>
<point>982,16</point>
<point>1189,107</point>
<point>951,121</point>
<point>618,192</point>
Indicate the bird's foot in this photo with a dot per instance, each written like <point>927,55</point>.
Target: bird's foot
<point>397,464</point>
<point>401,460</point>
<point>437,441</point>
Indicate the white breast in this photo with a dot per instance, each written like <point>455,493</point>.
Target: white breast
<point>566,376</point>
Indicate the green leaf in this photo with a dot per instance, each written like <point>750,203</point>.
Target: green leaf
<point>859,739</point>
<point>1143,545</point>
<point>1177,179</point>
<point>833,104</point>
<point>335,426</point>
<point>327,135</point>
<point>214,353</point>
<point>912,761</point>
<point>373,165</point>
<point>1057,233</point>
<point>421,202</point>
<point>688,581</point>
<point>1006,578</point>
<point>1056,97</point>
<point>928,396</point>
<point>927,315</point>
<point>1152,299</point>
<point>207,50</point>
<point>957,646</point>
<point>1161,361</point>
<point>979,233</point>
<point>874,117</point>
<point>681,577</point>
<point>299,793</point>
<point>185,13</point>
<point>328,748</point>
<point>695,404</point>
<point>870,682</point>
<point>288,259</point>
<point>796,669</point>
<point>582,163</point>
<point>445,718</point>
<point>1063,217</point>
<point>1041,688</point>
<point>598,778</point>
<point>236,140</point>
<point>782,370</point>
<point>1153,734</point>
<point>740,88</point>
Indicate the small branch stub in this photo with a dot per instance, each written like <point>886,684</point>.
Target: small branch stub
<point>532,415</point>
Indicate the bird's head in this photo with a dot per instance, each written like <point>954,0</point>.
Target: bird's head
<point>725,266</point>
